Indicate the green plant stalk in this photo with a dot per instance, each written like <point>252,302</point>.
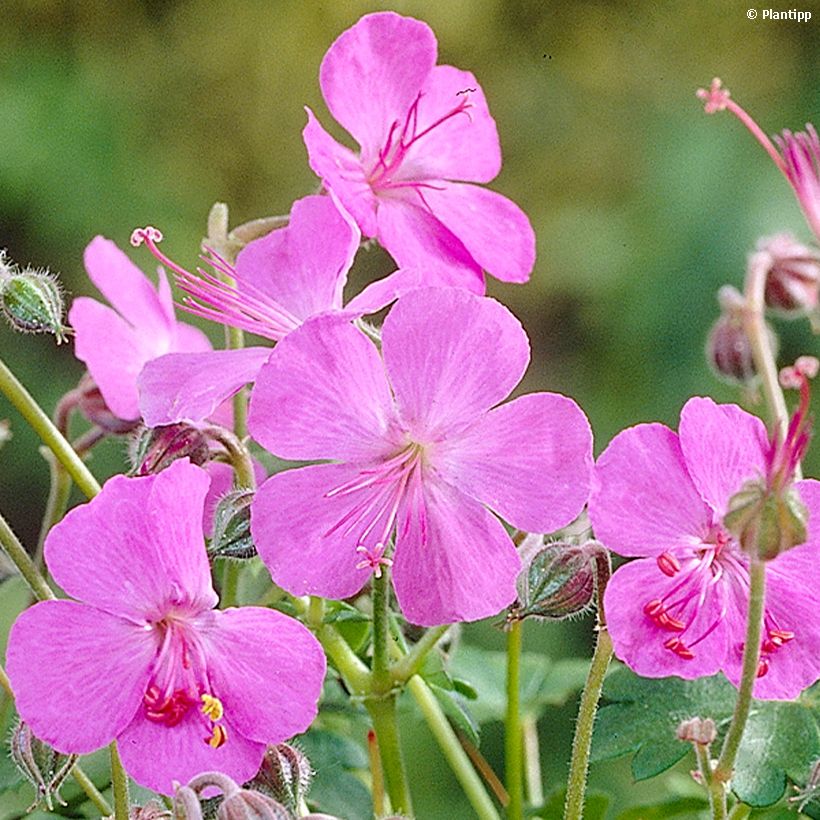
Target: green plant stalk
<point>119,781</point>
<point>740,811</point>
<point>382,683</point>
<point>532,761</point>
<point>717,794</point>
<point>513,736</point>
<point>20,558</point>
<point>47,431</point>
<point>382,711</point>
<point>751,657</point>
<point>447,740</point>
<point>411,663</point>
<point>58,495</point>
<point>91,791</point>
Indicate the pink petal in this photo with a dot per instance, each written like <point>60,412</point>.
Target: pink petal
<point>373,72</point>
<point>303,266</point>
<point>78,674</point>
<point>323,395</point>
<point>341,171</point>
<point>463,147</point>
<point>454,561</point>
<point>643,501</point>
<point>221,484</point>
<point>190,386</point>
<point>268,671</point>
<point>189,339</point>
<point>451,356</point>
<point>530,461</point>
<point>156,755</point>
<point>639,641</point>
<point>137,546</point>
<point>724,446</point>
<point>298,531</point>
<point>493,229</point>
<point>415,238</point>
<point>127,288</point>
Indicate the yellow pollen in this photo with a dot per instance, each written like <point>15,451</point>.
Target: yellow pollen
<point>218,737</point>
<point>212,707</point>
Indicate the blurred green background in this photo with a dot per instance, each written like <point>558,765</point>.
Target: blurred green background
<point>119,114</point>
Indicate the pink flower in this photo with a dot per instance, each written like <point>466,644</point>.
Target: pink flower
<point>419,453</point>
<point>798,157</point>
<point>419,126</point>
<point>681,608</point>
<point>144,657</point>
<point>281,280</point>
<point>116,342</point>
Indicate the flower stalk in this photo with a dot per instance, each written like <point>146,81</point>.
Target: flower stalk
<point>119,781</point>
<point>513,738</point>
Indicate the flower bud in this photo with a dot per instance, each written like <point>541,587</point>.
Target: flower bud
<point>249,805</point>
<point>698,730</point>
<point>232,527</point>
<point>91,404</point>
<point>32,301</point>
<point>793,276</point>
<point>44,767</point>
<point>285,774</point>
<point>558,581</point>
<point>155,448</point>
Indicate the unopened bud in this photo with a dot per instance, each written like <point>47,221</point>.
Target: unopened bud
<point>232,528</point>
<point>285,774</point>
<point>44,767</point>
<point>698,730</point>
<point>155,448</point>
<point>32,301</point>
<point>558,581</point>
<point>91,404</point>
<point>245,804</point>
<point>793,275</point>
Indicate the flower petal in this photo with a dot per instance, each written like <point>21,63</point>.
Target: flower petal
<point>127,288</point>
<point>190,386</point>
<point>373,72</point>
<point>137,546</point>
<point>323,395</point>
<point>78,674</point>
<point>300,532</point>
<point>303,266</point>
<point>341,171</point>
<point>643,501</point>
<point>267,670</point>
<point>156,755</point>
<point>724,446</point>
<point>450,357</point>
<point>453,561</point>
<point>493,229</point>
<point>529,460</point>
<point>465,146</point>
<point>639,641</point>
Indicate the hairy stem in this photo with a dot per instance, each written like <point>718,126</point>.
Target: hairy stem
<point>20,558</point>
<point>717,793</point>
<point>513,738</point>
<point>411,663</point>
<point>532,761</point>
<point>382,711</point>
<point>119,781</point>
<point>58,495</point>
<point>91,791</point>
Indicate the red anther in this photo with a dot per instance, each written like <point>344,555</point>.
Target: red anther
<point>782,635</point>
<point>169,711</point>
<point>762,667</point>
<point>668,564</point>
<point>666,621</point>
<point>770,645</point>
<point>653,608</point>
<point>677,646</point>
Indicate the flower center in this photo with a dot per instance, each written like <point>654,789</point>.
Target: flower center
<point>179,682</point>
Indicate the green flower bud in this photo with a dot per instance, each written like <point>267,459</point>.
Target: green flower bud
<point>285,774</point>
<point>44,767</point>
<point>32,301</point>
<point>232,527</point>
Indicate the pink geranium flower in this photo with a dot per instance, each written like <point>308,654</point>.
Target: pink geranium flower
<point>143,657</point>
<point>681,608</point>
<point>419,452</point>
<point>115,343</point>
<point>419,126</point>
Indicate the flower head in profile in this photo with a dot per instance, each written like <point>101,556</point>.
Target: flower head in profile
<point>143,657</point>
<point>420,453</point>
<point>680,609</point>
<point>797,155</point>
<point>116,342</point>
<point>424,134</point>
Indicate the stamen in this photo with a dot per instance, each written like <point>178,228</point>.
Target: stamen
<point>762,667</point>
<point>668,564</point>
<point>218,738</point>
<point>374,559</point>
<point>212,707</point>
<point>677,646</point>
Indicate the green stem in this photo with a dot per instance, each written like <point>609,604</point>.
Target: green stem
<point>92,792</point>
<point>49,434</point>
<point>382,682</point>
<point>751,658</point>
<point>532,761</point>
<point>229,585</point>
<point>717,794</point>
<point>119,780</point>
<point>740,811</point>
<point>382,711</point>
<point>411,663</point>
<point>513,738</point>
<point>16,552</point>
<point>58,495</point>
<point>446,738</point>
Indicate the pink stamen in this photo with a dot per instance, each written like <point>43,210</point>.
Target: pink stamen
<point>374,559</point>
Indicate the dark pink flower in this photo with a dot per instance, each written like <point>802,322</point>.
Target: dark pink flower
<point>681,608</point>
<point>420,450</point>
<point>419,127</point>
<point>115,343</point>
<point>143,657</point>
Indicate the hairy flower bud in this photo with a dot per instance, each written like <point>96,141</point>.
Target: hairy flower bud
<point>793,275</point>
<point>245,804</point>
<point>698,730</point>
<point>32,301</point>
<point>44,767</point>
<point>155,448</point>
<point>285,774</point>
<point>232,528</point>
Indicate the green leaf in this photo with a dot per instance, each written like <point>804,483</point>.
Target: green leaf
<point>683,808</point>
<point>456,710</point>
